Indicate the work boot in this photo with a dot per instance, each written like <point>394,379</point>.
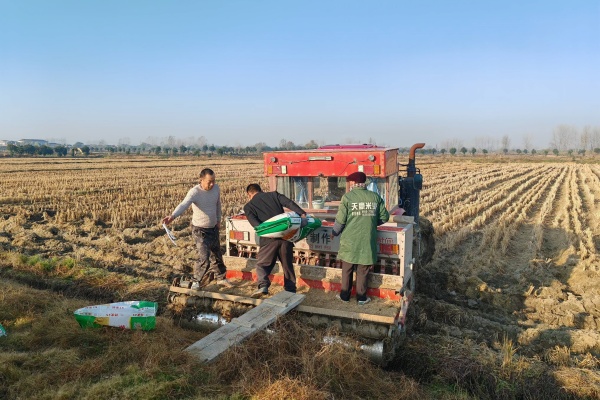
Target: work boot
<point>337,296</point>
<point>260,292</point>
<point>363,302</point>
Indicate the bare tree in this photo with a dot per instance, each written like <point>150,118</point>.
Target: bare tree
<point>585,138</point>
<point>259,146</point>
<point>151,140</point>
<point>311,145</point>
<point>200,142</point>
<point>527,142</point>
<point>486,142</point>
<point>448,144</point>
<point>563,137</point>
<point>238,147</point>
<point>595,138</point>
<point>286,144</point>
<point>505,142</point>
<point>171,141</point>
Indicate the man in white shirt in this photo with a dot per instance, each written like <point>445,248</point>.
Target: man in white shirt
<point>205,199</point>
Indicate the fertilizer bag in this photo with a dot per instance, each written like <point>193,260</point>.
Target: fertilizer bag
<point>287,226</point>
<point>126,315</point>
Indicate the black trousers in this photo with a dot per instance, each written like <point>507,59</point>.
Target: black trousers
<point>270,251</point>
<point>210,258</point>
<point>361,280</point>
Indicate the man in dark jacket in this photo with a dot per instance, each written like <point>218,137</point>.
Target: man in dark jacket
<point>261,207</point>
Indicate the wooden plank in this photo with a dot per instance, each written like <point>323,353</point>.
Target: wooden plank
<point>268,310</point>
<point>331,312</point>
<point>301,308</point>
<point>216,296</point>
<point>282,299</point>
<point>213,345</point>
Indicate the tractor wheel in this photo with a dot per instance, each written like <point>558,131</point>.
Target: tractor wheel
<point>423,242</point>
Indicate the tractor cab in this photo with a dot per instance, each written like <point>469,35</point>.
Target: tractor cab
<point>316,179</point>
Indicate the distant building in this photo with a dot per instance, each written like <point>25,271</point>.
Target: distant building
<point>4,143</point>
<point>35,142</point>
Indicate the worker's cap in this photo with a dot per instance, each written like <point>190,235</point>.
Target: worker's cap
<point>358,177</point>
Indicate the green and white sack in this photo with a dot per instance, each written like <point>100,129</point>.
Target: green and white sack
<point>287,226</point>
<point>126,315</point>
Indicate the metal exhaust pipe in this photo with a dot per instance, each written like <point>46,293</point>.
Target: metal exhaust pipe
<point>212,320</point>
<point>374,350</point>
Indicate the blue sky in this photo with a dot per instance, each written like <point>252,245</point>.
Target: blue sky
<point>243,72</point>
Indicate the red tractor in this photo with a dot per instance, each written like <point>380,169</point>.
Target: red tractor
<point>316,181</point>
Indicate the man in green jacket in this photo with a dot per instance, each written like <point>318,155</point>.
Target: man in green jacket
<point>360,212</point>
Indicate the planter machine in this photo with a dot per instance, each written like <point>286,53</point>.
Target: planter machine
<point>316,180</point>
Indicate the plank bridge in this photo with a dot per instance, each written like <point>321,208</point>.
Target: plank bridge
<point>212,346</point>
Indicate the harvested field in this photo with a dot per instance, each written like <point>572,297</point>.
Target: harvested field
<point>509,306</point>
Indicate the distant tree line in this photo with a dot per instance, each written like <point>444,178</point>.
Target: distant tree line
<point>565,139</point>
<point>31,150</point>
<point>146,149</point>
<point>472,151</point>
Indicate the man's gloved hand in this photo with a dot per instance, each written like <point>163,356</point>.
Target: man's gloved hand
<point>337,229</point>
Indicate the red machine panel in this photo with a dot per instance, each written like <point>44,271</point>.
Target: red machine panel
<point>331,161</point>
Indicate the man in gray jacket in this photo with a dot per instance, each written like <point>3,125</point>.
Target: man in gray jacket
<point>205,199</point>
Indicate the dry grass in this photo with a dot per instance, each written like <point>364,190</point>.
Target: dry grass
<point>559,356</point>
<point>584,382</point>
<point>78,278</point>
<point>47,355</point>
<point>296,356</point>
<point>508,352</point>
<point>485,374</point>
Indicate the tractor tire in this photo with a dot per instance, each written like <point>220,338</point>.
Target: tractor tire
<point>423,242</point>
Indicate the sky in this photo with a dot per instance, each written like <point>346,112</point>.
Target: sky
<point>242,72</point>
